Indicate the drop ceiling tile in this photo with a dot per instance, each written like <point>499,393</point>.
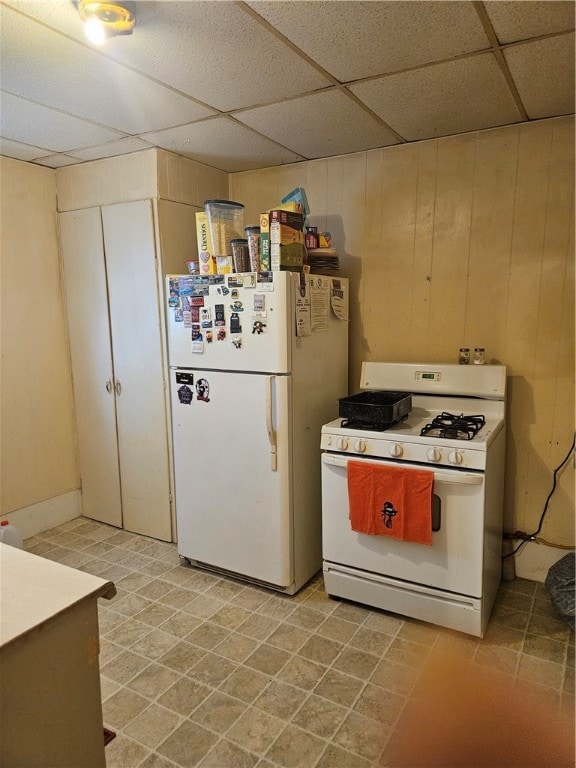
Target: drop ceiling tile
<point>83,82</point>
<point>212,51</point>
<point>111,149</point>
<point>352,40</point>
<point>464,95</point>
<point>223,143</point>
<point>56,161</point>
<point>519,20</point>
<point>544,75</point>
<point>19,151</point>
<point>319,125</point>
<point>30,123</point>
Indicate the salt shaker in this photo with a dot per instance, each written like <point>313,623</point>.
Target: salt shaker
<point>464,356</point>
<point>479,358</point>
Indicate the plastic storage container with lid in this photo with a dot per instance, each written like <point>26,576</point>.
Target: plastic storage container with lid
<point>240,255</point>
<point>225,223</point>
<point>253,236</point>
<point>9,534</point>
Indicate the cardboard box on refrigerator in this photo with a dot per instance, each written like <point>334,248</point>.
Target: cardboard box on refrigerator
<point>283,234</point>
<point>206,262</point>
<point>264,242</point>
<point>288,218</point>
<point>287,257</point>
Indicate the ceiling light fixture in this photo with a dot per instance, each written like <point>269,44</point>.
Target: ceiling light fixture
<point>104,20</point>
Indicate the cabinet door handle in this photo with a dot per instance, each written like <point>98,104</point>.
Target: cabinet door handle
<point>109,387</point>
<point>118,387</point>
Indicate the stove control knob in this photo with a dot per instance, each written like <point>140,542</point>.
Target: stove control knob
<point>360,446</point>
<point>395,450</point>
<point>455,457</point>
<point>342,444</point>
<point>434,454</point>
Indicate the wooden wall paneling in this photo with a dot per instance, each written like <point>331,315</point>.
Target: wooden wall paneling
<point>551,317</point>
<point>314,182</point>
<point>454,184</point>
<point>562,504</point>
<point>423,245</point>
<point>257,191</point>
<point>371,258</point>
<point>353,215</point>
<point>399,193</point>
<point>176,227</point>
<point>490,242</point>
<point>523,307</point>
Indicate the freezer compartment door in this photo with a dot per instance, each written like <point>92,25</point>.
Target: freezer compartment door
<point>232,465</point>
<point>243,323</point>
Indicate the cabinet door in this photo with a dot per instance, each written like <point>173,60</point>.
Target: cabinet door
<point>138,367</point>
<point>93,375</point>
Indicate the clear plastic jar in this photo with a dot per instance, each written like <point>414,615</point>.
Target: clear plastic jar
<point>225,223</point>
<point>464,356</point>
<point>479,357</point>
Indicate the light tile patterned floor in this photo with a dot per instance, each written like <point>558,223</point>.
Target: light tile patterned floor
<point>199,670</point>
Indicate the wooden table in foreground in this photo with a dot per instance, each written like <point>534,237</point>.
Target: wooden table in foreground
<point>50,703</point>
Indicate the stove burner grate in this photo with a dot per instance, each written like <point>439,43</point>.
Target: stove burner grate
<point>454,427</point>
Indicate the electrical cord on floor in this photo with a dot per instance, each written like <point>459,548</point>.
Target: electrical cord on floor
<point>533,536</point>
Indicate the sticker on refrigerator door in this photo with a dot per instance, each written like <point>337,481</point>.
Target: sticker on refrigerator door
<point>259,305</point>
<point>219,316</point>
<point>185,395</point>
<point>206,317</point>
<point>186,286</point>
<point>223,290</point>
<point>221,334</point>
<point>258,327</point>
<point>250,280</point>
<point>201,290</point>
<point>187,317</point>
<point>337,300</point>
<point>203,390</point>
<point>265,281</point>
<point>303,314</point>
<point>235,281</point>
<point>174,293</point>
<point>235,326</point>
<point>237,306</point>
<point>196,334</point>
<point>178,315</point>
<point>237,342</point>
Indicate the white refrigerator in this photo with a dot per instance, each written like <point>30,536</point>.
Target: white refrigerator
<point>257,364</point>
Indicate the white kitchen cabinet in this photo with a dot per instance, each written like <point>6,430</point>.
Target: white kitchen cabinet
<point>113,279</point>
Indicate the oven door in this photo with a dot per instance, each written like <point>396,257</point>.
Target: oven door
<point>454,560</point>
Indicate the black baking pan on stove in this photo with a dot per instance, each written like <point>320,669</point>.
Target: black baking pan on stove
<point>378,408</point>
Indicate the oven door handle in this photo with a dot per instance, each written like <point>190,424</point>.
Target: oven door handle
<point>457,478</point>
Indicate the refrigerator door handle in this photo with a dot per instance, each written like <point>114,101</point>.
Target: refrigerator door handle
<point>270,424</point>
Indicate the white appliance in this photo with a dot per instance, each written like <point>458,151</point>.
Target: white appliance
<point>257,363</point>
<point>454,581</point>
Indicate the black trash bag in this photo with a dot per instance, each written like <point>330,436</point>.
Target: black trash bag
<point>560,583</point>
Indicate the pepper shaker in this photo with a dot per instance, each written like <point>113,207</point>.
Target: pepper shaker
<point>464,356</point>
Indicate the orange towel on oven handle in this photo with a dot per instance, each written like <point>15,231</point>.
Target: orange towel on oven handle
<point>390,501</point>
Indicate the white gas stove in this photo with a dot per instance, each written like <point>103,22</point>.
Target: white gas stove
<point>455,429</point>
